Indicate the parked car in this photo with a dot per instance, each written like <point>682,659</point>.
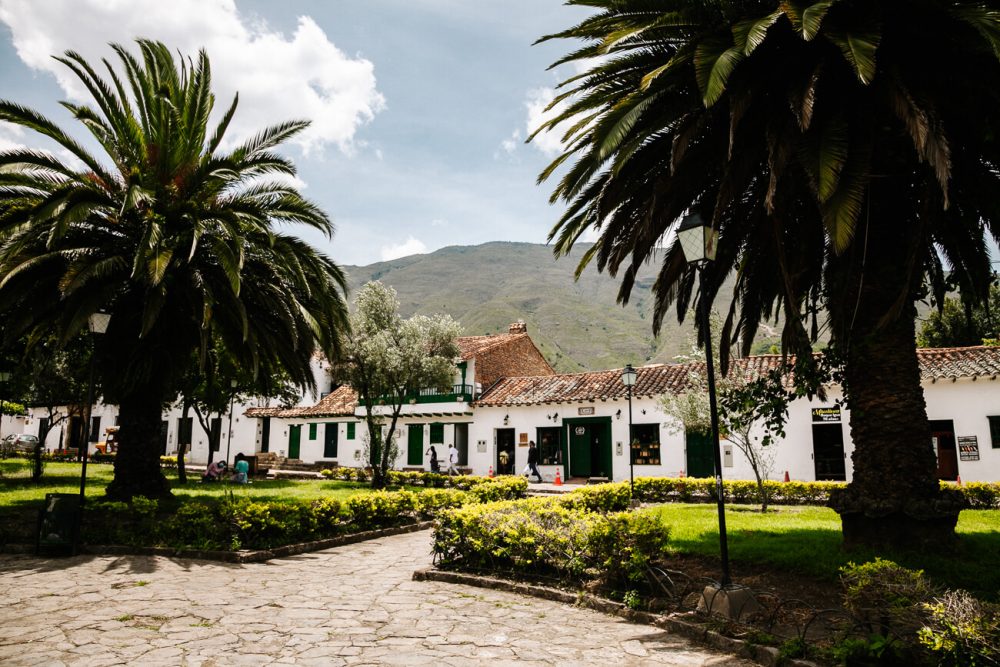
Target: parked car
<point>18,443</point>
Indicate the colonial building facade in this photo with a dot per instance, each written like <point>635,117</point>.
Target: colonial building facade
<point>506,395</point>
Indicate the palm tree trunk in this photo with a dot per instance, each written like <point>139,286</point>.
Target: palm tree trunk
<point>894,499</point>
<point>137,464</point>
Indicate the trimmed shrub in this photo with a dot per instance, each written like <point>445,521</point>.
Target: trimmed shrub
<point>602,498</point>
<point>546,535</point>
<point>886,596</point>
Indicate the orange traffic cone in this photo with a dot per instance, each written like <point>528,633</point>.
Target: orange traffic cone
<point>787,478</point>
<point>491,472</point>
<point>558,480</point>
<point>959,480</point>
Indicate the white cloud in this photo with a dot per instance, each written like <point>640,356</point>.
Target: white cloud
<point>11,136</point>
<point>278,77</point>
<point>439,222</point>
<point>410,246</point>
<point>548,142</point>
<point>508,147</point>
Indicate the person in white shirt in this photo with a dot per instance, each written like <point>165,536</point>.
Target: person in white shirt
<point>452,460</point>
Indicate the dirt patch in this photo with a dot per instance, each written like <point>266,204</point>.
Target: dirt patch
<point>817,593</point>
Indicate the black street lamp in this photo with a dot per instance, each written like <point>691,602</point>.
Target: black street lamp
<point>698,241</point>
<point>232,397</point>
<point>98,324</point>
<point>628,379</point>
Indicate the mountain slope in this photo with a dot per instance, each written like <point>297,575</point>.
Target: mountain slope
<point>578,325</point>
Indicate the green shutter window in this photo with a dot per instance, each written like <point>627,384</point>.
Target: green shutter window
<point>437,434</point>
<point>312,431</point>
<point>350,431</point>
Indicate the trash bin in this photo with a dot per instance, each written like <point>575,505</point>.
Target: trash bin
<point>58,525</point>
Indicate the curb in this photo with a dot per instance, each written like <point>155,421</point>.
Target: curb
<point>237,557</point>
<point>675,623</point>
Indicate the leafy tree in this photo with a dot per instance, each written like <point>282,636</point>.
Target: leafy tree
<point>835,148</point>
<point>171,234</point>
<point>55,379</point>
<point>752,413</point>
<point>388,359</point>
<point>959,322</point>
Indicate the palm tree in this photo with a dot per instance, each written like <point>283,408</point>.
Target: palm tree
<point>845,150</point>
<point>171,234</point>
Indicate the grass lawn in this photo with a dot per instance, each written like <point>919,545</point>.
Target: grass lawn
<point>16,488</point>
<point>807,540</point>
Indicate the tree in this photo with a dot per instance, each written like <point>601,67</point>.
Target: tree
<point>57,379</point>
<point>387,360</point>
<point>958,322</point>
<point>171,234</point>
<point>747,406</point>
<point>834,148</point>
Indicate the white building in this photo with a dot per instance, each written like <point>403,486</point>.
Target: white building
<point>506,395</point>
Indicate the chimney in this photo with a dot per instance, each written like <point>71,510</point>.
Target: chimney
<point>518,327</point>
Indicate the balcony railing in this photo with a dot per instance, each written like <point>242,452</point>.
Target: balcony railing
<point>458,392</point>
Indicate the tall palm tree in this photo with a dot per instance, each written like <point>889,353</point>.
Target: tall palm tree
<point>845,150</point>
<point>170,233</point>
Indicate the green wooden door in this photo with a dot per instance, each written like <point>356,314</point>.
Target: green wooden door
<point>580,459</point>
<point>700,461</point>
<point>415,445</point>
<point>294,436</point>
<point>330,435</point>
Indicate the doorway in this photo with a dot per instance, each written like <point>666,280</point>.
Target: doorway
<point>415,445</point>
<point>330,434</point>
<point>294,440</point>
<point>462,443</point>
<point>943,440</point>
<point>505,451</point>
<point>164,431</point>
<point>828,452</point>
<point>590,447</point>
<point>699,455</point>
<point>265,435</point>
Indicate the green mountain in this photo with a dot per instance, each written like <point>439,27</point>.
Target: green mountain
<point>578,325</point>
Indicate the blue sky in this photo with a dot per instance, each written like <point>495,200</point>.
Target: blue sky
<point>420,107</point>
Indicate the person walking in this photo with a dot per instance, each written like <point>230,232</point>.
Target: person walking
<point>452,460</point>
<point>435,464</point>
<point>533,460</point>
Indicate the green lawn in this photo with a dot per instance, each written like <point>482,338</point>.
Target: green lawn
<point>807,540</point>
<point>17,490</point>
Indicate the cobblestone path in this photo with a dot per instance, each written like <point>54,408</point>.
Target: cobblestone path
<point>351,605</point>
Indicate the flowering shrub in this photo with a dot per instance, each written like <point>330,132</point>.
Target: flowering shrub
<point>244,523</point>
<point>549,535</point>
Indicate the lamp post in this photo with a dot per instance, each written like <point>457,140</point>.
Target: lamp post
<point>97,323</point>
<point>229,435</point>
<point>628,379</point>
<point>698,241</point>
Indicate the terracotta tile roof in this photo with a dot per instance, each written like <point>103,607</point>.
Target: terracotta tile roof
<point>338,403</point>
<point>935,364</point>
<point>959,362</point>
<point>470,346</point>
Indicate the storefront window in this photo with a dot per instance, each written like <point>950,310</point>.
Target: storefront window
<point>646,444</point>
<point>549,446</point>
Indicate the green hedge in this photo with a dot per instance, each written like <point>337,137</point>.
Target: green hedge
<point>980,495</point>
<point>243,523</point>
<point>417,478</point>
<point>550,535</point>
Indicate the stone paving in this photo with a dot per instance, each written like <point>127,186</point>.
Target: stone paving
<point>354,605</point>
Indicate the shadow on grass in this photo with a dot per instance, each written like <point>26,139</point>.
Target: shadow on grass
<point>970,564</point>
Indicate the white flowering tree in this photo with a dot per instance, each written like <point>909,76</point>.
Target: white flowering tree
<point>745,409</point>
<point>388,359</point>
